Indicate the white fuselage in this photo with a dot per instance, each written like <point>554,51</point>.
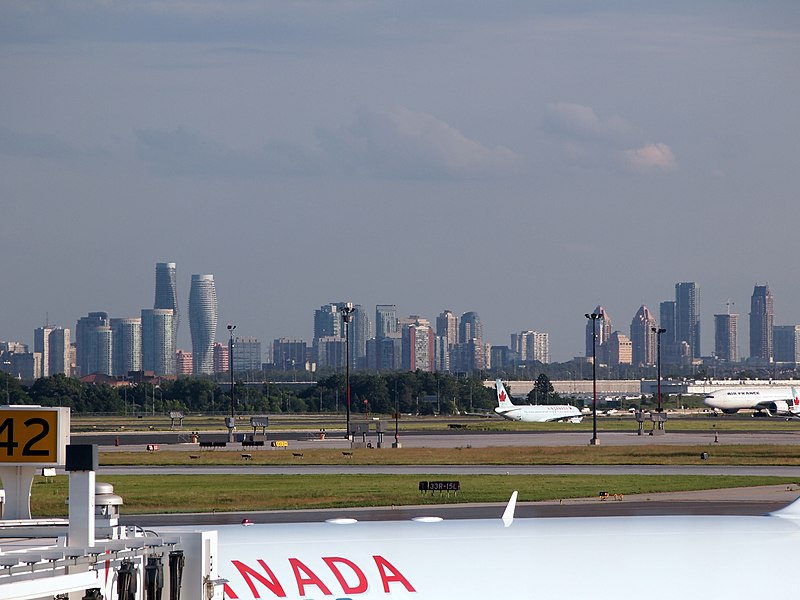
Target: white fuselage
<point>660,558</point>
<point>539,413</point>
<point>774,400</point>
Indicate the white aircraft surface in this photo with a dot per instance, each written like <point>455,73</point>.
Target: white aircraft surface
<point>774,401</point>
<point>625,558</point>
<point>533,413</point>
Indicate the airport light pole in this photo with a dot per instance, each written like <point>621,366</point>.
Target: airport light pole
<point>347,316</point>
<point>594,316</point>
<point>658,331</point>
<point>231,421</point>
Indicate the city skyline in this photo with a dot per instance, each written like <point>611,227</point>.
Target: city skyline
<point>525,161</point>
<point>326,323</point>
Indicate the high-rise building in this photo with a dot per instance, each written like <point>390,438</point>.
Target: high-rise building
<point>289,355</point>
<point>41,346</point>
<point>158,350</point>
<point>385,320</point>
<point>470,327</point>
<point>53,345</point>
<point>669,345</point>
<point>643,339</point>
<point>184,363</point>
<point>418,347</point>
<point>330,353</point>
<point>83,333</point>
<point>328,322</point>
<point>99,352</point>
<point>167,296</point>
<point>687,316</point>
<point>246,354</point>
<point>126,345</point>
<point>529,346</point>
<point>619,350</point>
<point>725,337</point>
<point>761,323</point>
<point>447,327</point>
<point>203,323</point>
<point>603,329</point>
<point>786,343</point>
<point>221,358</point>
<point>360,332</point>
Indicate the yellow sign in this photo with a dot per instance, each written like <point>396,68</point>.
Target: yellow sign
<point>31,436</point>
<point>280,444</point>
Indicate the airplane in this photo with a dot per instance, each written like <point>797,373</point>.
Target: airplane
<point>533,413</point>
<point>774,401</point>
<point>424,558</point>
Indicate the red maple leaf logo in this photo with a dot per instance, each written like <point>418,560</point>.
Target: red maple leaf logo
<point>503,396</point>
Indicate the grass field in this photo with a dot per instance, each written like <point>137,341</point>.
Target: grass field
<point>199,493</point>
<point>510,455</point>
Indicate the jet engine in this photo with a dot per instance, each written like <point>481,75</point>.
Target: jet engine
<point>778,407</point>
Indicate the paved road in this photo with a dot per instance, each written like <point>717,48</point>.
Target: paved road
<point>300,440</point>
<point>736,501</point>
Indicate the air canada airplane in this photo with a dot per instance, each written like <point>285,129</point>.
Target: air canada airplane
<point>434,559</point>
<point>772,400</point>
<point>533,413</point>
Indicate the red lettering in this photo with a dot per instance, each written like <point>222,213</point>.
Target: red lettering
<point>309,579</point>
<point>390,574</point>
<point>347,589</point>
<point>227,592</point>
<point>248,573</point>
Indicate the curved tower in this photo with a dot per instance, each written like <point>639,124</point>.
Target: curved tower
<point>203,323</point>
<point>167,295</point>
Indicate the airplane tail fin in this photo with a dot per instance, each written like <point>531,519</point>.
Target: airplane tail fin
<point>794,404</point>
<point>502,397</point>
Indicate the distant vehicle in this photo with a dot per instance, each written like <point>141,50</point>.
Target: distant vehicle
<point>533,413</point>
<point>770,400</point>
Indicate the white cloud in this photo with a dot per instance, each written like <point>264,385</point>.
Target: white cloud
<point>401,143</point>
<point>650,157</point>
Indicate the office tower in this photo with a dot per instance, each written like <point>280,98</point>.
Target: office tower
<point>385,320</point>
<point>603,330</point>
<point>687,316</point>
<point>126,346</point>
<point>385,354</point>
<point>203,323</point>
<point>470,327</point>
<point>643,339</point>
<point>246,354</point>
<point>761,323</point>
<point>83,330</point>
<point>725,343</point>
<point>447,327</point>
<point>167,296</point>
<point>158,350</point>
<point>289,355</point>
<point>221,358</point>
<point>786,343</point>
<point>418,346</point>
<point>619,349</point>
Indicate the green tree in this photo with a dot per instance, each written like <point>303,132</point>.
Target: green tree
<point>543,391</point>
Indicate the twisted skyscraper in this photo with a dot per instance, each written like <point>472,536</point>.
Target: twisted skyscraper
<point>203,323</point>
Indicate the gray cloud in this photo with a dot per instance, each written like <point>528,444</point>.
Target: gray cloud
<point>401,143</point>
<point>13,143</point>
<point>582,123</point>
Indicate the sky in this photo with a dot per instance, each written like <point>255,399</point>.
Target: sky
<point>526,160</point>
